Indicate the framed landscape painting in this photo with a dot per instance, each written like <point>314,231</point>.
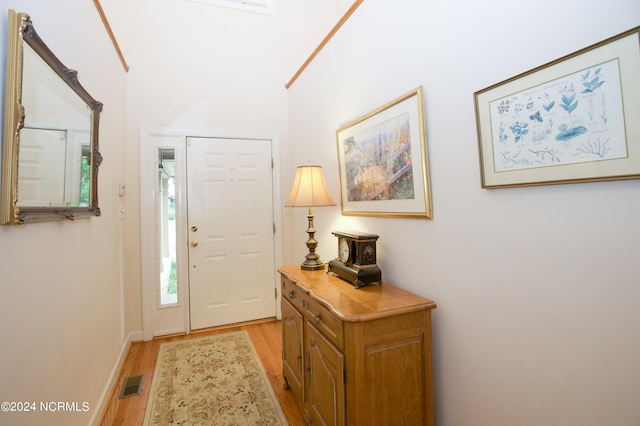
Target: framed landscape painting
<point>383,161</point>
<point>571,120</point>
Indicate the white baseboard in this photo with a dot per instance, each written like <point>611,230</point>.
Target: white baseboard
<point>136,336</point>
<point>169,331</point>
<point>101,406</point>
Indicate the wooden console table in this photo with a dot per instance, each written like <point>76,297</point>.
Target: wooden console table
<point>356,356</point>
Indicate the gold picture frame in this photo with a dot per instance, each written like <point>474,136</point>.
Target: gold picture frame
<point>571,120</point>
<point>383,161</point>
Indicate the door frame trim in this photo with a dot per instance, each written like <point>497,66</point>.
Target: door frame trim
<point>148,246</point>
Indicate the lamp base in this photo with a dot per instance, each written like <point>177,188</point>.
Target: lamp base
<point>312,260</point>
<point>309,265</point>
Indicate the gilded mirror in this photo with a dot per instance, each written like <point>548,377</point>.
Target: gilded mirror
<point>50,154</point>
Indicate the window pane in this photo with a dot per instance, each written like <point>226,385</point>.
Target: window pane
<point>167,227</point>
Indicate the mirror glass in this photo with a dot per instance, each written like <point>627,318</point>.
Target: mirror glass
<point>50,153</point>
<point>55,143</point>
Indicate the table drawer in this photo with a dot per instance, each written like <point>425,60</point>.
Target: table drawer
<point>293,293</point>
<point>324,321</point>
<point>313,311</point>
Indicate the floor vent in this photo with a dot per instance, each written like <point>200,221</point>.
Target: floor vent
<point>131,386</point>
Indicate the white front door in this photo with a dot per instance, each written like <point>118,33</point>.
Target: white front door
<point>230,231</point>
<point>42,165</point>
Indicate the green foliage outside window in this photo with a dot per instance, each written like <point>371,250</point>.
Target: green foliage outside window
<point>85,181</point>
<point>172,287</point>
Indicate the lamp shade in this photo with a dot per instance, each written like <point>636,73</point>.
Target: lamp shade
<point>309,188</point>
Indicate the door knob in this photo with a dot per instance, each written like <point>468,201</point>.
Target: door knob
<point>194,243</point>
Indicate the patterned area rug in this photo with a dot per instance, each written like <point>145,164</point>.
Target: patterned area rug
<point>214,380</point>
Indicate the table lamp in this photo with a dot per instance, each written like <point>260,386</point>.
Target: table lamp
<point>310,190</point>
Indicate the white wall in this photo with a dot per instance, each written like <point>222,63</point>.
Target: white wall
<point>60,282</point>
<point>71,294</point>
<point>537,287</point>
<point>206,68</point>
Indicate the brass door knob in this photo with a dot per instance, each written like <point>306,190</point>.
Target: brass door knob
<point>194,243</point>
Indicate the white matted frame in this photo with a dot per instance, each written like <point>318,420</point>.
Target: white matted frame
<point>384,167</point>
<point>572,120</point>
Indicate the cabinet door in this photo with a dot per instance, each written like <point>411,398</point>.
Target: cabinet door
<point>395,382</point>
<point>292,346</point>
<point>325,385</point>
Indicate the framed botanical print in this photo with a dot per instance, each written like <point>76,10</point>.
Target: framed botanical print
<point>572,120</point>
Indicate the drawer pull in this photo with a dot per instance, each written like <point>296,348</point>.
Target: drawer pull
<point>292,294</point>
<point>304,303</point>
<point>318,318</point>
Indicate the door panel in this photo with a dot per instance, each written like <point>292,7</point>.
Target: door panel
<point>326,379</point>
<point>42,165</point>
<point>292,348</point>
<point>231,242</point>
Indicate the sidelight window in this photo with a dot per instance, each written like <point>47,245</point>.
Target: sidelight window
<point>167,227</point>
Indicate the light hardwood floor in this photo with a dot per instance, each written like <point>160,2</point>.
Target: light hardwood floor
<point>141,359</point>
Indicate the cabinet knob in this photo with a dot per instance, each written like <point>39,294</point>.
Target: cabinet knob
<point>318,318</point>
<point>292,294</point>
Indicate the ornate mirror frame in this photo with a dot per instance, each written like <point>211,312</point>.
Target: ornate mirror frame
<point>11,211</point>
